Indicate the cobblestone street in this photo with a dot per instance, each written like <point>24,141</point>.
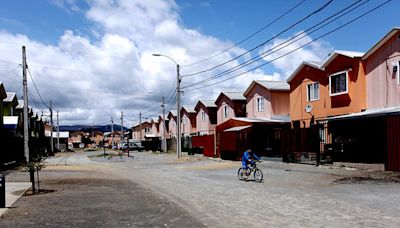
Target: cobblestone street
<point>160,190</point>
<point>291,195</point>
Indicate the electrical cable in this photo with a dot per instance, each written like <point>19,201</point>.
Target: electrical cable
<point>263,43</point>
<point>287,43</point>
<point>325,34</point>
<point>34,84</point>
<point>248,37</point>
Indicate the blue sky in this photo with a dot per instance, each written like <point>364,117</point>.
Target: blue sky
<point>85,55</point>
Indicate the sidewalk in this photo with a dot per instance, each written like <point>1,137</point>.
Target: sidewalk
<point>14,190</point>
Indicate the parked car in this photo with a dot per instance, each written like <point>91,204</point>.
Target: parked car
<point>136,146</point>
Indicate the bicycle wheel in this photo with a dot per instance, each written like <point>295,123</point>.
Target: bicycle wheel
<point>258,175</point>
<point>242,173</point>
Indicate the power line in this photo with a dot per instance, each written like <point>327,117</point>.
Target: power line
<point>34,84</point>
<point>248,37</point>
<point>38,106</point>
<point>286,43</point>
<point>263,43</point>
<point>325,34</point>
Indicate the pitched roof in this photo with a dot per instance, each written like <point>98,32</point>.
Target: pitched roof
<point>234,95</point>
<point>381,42</point>
<point>154,120</point>
<point>3,93</point>
<point>208,103</point>
<point>316,65</point>
<point>334,54</point>
<point>189,109</point>
<point>173,113</point>
<point>10,97</point>
<point>20,104</point>
<point>270,85</point>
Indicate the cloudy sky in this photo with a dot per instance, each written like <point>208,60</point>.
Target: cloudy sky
<point>93,59</point>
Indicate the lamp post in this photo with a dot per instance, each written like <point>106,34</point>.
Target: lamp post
<point>178,102</point>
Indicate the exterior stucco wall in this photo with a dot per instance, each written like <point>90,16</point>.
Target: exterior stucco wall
<point>326,105</point>
<point>383,89</point>
<point>275,103</point>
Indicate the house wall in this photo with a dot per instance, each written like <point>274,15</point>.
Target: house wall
<point>275,102</point>
<point>188,124</point>
<point>143,129</point>
<point>172,127</point>
<point>204,127</point>
<point>383,89</point>
<point>154,129</point>
<point>220,113</point>
<point>161,129</point>
<point>353,101</point>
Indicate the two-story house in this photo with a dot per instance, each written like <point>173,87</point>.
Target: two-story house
<point>206,117</point>
<point>172,125</point>
<point>229,105</point>
<point>319,91</point>
<point>267,114</point>
<point>188,120</point>
<point>206,120</point>
<point>155,127</point>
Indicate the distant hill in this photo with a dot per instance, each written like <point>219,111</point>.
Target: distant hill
<point>88,128</point>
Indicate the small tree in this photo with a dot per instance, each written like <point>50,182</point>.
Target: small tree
<point>35,165</point>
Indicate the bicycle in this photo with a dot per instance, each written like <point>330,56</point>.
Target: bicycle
<point>257,173</point>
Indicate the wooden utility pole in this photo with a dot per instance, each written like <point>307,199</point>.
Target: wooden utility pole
<point>112,133</point>
<point>122,128</point>
<point>140,126</point>
<point>25,85</point>
<point>52,128</point>
<point>164,127</point>
<point>58,133</point>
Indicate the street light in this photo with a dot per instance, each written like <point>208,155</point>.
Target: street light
<point>178,98</point>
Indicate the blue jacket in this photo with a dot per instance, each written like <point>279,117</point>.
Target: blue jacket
<point>246,156</point>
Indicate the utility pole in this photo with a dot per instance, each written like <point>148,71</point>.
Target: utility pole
<point>178,98</point>
<point>58,133</point>
<point>112,133</point>
<point>178,101</point>
<point>140,126</point>
<point>164,128</point>
<point>52,128</point>
<point>25,85</point>
<point>122,127</point>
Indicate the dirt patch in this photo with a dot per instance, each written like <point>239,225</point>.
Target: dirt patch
<point>360,180</point>
<point>38,192</point>
<point>211,166</point>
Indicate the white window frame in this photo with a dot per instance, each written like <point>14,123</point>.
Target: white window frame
<point>203,116</point>
<point>347,83</point>
<point>398,73</point>
<point>226,111</point>
<point>260,101</point>
<point>147,130</point>
<point>312,85</point>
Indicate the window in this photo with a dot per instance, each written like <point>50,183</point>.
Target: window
<point>260,104</point>
<point>398,72</point>
<point>147,130</point>
<point>226,111</point>
<point>313,91</point>
<point>203,116</point>
<point>338,83</point>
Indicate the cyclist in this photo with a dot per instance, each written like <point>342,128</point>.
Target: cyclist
<point>248,158</point>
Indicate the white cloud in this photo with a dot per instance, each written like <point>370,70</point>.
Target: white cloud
<point>315,51</point>
<point>91,80</point>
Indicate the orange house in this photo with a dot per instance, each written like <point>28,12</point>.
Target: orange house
<point>320,90</point>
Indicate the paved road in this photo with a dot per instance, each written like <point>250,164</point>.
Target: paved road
<point>206,192</point>
<point>291,195</point>
<point>86,196</point>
